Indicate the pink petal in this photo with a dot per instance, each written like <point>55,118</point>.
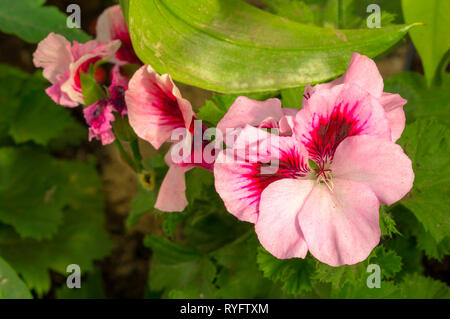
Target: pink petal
<point>364,72</point>
<point>393,106</point>
<point>242,173</point>
<point>340,227</point>
<point>111,25</point>
<point>277,225</point>
<point>53,55</point>
<point>172,193</point>
<point>331,115</point>
<point>380,164</point>
<point>59,97</point>
<point>84,55</point>
<point>155,106</point>
<point>99,117</point>
<point>247,111</point>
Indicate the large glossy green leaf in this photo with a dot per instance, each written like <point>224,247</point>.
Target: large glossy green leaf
<point>432,41</point>
<point>230,46</point>
<point>32,21</point>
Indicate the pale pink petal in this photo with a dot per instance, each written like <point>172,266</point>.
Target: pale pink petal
<point>111,25</point>
<point>393,106</point>
<point>331,115</point>
<point>277,226</point>
<point>363,71</point>
<point>59,97</point>
<point>340,227</point>
<point>155,106</point>
<point>256,160</point>
<point>380,164</point>
<point>53,55</point>
<point>172,193</point>
<point>247,111</point>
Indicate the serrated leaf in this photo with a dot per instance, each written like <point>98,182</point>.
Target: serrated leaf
<point>387,223</point>
<point>174,267</point>
<point>11,286</point>
<point>31,194</point>
<point>415,286</point>
<point>427,143</point>
<point>81,238</point>
<point>295,275</point>
<point>232,47</point>
<point>32,21</point>
<point>28,114</point>
<point>432,40</point>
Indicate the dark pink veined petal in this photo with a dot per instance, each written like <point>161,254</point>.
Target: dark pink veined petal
<point>381,165</point>
<point>331,115</point>
<point>155,106</point>
<point>245,111</point>
<point>99,117</point>
<point>340,227</point>
<point>111,25</point>
<point>257,159</point>
<point>393,106</point>
<point>84,55</point>
<point>172,193</point>
<point>277,226</point>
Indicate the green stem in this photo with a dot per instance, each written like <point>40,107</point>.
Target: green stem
<point>134,144</point>
<point>124,154</point>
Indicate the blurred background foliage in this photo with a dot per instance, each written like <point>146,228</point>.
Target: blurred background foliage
<point>66,201</point>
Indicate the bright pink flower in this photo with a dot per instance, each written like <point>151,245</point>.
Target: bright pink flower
<point>363,72</point>
<point>155,109</point>
<point>99,117</point>
<point>330,209</point>
<point>111,25</point>
<point>264,114</point>
<point>62,64</point>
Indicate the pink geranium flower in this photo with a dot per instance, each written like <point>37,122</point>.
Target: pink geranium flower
<point>330,209</point>
<point>62,64</point>
<point>99,117</point>
<point>363,72</point>
<point>156,109</point>
<point>111,25</point>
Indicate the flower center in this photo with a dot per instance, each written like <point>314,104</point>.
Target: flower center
<point>322,173</point>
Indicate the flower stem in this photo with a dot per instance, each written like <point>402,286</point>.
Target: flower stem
<point>134,144</point>
<point>124,155</point>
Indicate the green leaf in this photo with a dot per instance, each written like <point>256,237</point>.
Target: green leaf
<point>356,275</point>
<point>31,197</point>
<point>239,276</point>
<point>92,91</point>
<point>232,47</point>
<point>423,102</point>
<point>122,129</point>
<point>387,224</point>
<point>292,98</point>
<point>427,143</point>
<point>433,39</point>
<point>32,21</point>
<point>416,286</point>
<point>294,274</point>
<point>28,114</point>
<point>174,267</point>
<point>91,288</point>
<point>11,286</point>
<point>81,238</point>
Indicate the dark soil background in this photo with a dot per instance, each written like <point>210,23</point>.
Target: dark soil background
<point>125,271</point>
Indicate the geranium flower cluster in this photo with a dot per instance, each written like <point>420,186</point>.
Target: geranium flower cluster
<point>63,63</point>
<point>309,180</point>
